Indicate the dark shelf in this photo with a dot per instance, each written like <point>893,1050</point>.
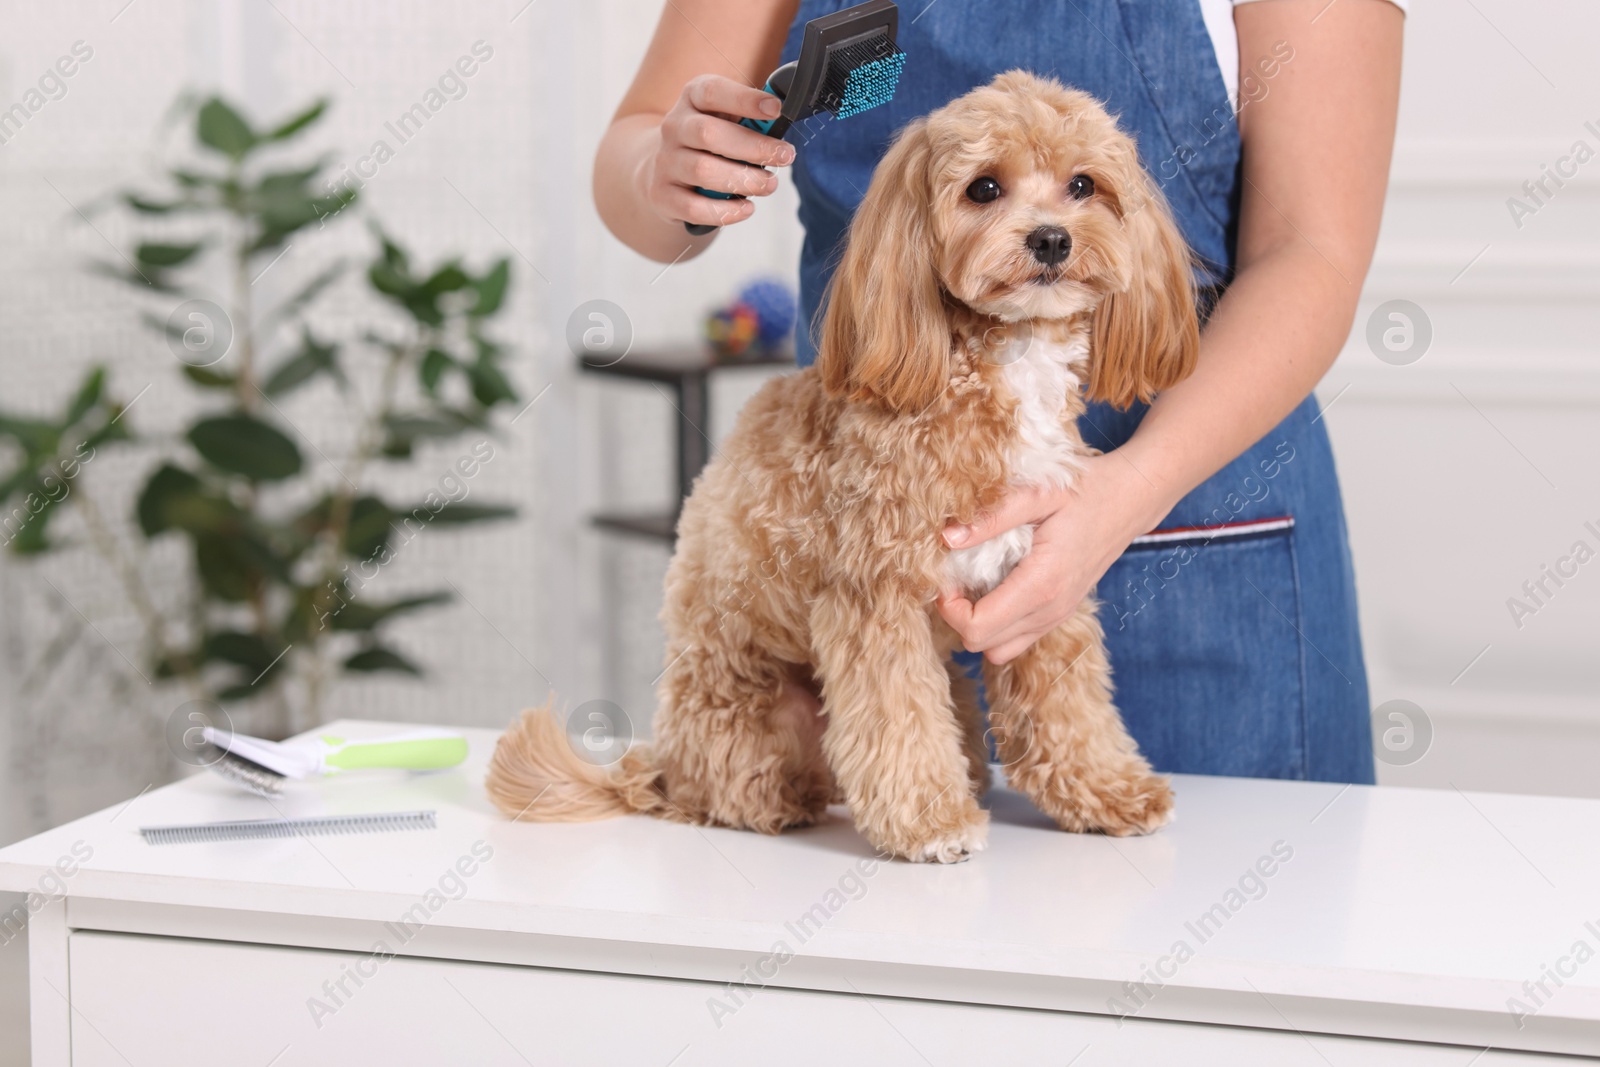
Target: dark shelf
<point>659,526</point>
<point>687,369</point>
<point>672,364</point>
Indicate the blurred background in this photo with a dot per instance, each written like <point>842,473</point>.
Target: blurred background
<point>1464,416</point>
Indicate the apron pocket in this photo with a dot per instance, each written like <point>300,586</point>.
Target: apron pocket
<point>1203,629</point>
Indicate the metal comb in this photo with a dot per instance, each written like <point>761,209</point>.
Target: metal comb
<point>321,826</point>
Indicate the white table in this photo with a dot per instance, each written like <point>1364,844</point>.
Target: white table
<point>1393,928</point>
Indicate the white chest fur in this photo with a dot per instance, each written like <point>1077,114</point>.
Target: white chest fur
<point>1044,452</point>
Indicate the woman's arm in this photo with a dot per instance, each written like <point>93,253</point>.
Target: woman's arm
<point>1316,163</point>
<point>673,129</point>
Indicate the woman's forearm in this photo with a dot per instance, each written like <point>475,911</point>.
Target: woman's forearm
<point>620,176</point>
<point>1316,163</point>
<point>1271,339</point>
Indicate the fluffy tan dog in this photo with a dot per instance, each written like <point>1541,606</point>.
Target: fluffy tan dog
<point>1010,255</point>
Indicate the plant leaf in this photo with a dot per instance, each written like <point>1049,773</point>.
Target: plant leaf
<point>191,179</point>
<point>285,184</point>
<point>312,359</point>
<point>288,128</point>
<point>224,569</point>
<point>492,289</point>
<point>392,254</point>
<point>175,499</point>
<point>251,651</point>
<point>172,665</point>
<point>88,396</point>
<point>308,292</point>
<point>461,514</point>
<point>304,617</point>
<point>489,384</point>
<point>153,207</point>
<point>158,501</point>
<point>391,276</point>
<point>236,563</point>
<point>175,330</point>
<point>314,519</point>
<point>28,537</point>
<point>243,444</point>
<point>114,429</point>
<point>381,659</point>
<point>368,529</point>
<point>389,279</point>
<point>358,615</point>
<point>14,481</point>
<point>447,279</point>
<point>280,218</point>
<point>36,437</point>
<point>150,278</point>
<point>425,425</point>
<point>161,256</point>
<point>434,363</point>
<point>404,431</point>
<point>207,378</point>
<point>221,127</point>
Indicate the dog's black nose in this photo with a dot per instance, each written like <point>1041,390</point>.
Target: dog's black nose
<point>1050,245</point>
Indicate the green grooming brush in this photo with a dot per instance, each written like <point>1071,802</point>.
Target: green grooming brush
<point>261,766</point>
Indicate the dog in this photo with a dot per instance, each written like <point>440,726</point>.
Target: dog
<point>1011,258</point>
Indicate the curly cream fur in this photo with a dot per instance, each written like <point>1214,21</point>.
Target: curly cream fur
<point>809,554</point>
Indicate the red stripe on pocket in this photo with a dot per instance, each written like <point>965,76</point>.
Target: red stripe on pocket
<point>1219,532</point>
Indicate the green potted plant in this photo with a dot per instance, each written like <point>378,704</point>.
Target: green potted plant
<point>277,555</point>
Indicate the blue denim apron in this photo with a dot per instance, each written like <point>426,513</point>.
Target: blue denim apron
<point>1234,641</point>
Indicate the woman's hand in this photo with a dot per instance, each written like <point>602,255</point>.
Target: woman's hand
<point>703,145</point>
<point>676,119</point>
<point>1081,531</point>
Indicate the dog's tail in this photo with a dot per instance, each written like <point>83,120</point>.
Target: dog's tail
<point>536,776</point>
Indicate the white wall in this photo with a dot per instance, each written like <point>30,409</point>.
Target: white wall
<point>1468,469</point>
<point>1450,508</point>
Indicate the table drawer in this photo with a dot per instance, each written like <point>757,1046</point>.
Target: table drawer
<point>177,1002</point>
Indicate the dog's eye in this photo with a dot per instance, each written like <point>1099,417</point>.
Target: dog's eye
<point>1081,187</point>
<point>983,190</point>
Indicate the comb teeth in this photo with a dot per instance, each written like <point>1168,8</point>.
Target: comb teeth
<point>861,76</point>
<point>259,828</point>
<point>242,772</point>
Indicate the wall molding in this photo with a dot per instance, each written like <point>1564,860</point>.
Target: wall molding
<point>1489,163</point>
<point>1500,388</point>
<point>1500,707</point>
<point>1449,237</point>
<point>1512,269</point>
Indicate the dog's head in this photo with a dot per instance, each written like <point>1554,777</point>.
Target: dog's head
<point>1022,201</point>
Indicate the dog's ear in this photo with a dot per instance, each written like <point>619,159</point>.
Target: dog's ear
<point>1146,334</point>
<point>885,335</point>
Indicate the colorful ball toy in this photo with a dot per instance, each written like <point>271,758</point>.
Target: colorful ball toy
<point>760,319</point>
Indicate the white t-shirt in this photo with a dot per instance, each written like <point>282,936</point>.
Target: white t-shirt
<point>1218,15</point>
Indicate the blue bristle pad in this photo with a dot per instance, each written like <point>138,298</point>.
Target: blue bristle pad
<point>871,84</point>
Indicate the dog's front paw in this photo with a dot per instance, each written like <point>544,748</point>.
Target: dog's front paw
<point>949,836</point>
<point>1139,805</point>
<point>955,848</point>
